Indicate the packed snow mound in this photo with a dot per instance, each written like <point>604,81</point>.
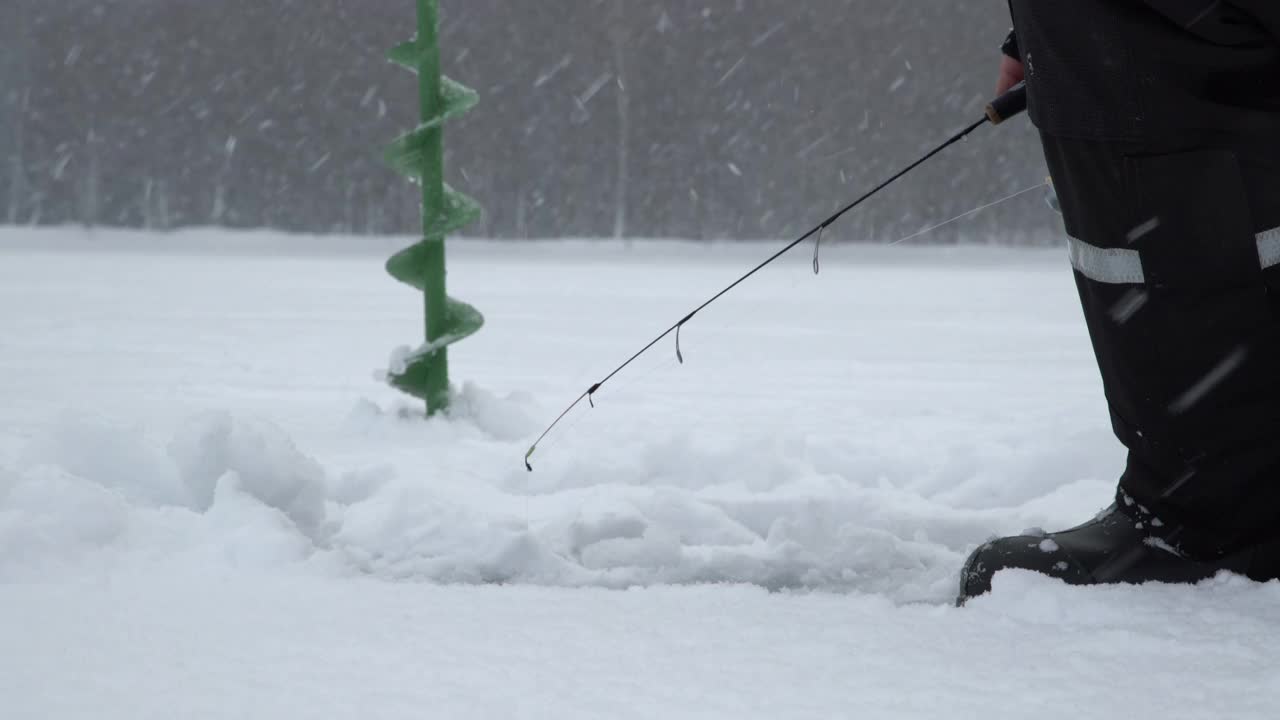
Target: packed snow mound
<point>765,513</point>
<point>256,459</point>
<point>207,452</point>
<point>88,487</point>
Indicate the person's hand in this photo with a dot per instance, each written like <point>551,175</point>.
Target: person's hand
<point>1011,73</point>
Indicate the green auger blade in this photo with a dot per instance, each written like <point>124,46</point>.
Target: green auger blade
<point>407,54</point>
<point>459,211</point>
<point>407,266</point>
<point>463,322</point>
<point>455,99</point>
<point>408,152</point>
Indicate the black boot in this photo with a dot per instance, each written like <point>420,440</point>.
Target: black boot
<point>1124,544</point>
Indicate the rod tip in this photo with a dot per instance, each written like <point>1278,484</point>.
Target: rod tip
<point>528,455</point>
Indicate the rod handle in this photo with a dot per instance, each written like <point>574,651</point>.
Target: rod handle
<point>1012,103</point>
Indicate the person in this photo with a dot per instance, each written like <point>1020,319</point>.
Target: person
<point>1160,125</point>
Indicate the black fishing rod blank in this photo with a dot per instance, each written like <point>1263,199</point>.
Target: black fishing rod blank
<point>1007,106</point>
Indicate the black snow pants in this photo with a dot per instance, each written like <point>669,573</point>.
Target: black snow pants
<point>1160,122</point>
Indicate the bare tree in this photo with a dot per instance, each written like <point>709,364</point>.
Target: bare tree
<point>220,190</point>
<point>17,161</point>
<point>90,188</point>
<point>19,100</point>
<point>617,36</point>
<point>730,118</point>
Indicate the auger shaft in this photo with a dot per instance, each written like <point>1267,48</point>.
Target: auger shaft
<point>420,155</point>
<point>434,295</point>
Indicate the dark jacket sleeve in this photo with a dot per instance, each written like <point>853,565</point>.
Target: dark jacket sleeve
<point>1266,12</point>
<point>1222,22</point>
<point>1010,46</point>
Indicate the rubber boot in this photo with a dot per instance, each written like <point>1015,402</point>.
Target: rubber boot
<point>1123,544</point>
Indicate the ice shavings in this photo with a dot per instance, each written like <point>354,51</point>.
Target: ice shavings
<point>404,356</point>
<point>453,523</point>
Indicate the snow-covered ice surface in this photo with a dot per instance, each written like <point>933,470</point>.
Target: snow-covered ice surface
<point>210,507</point>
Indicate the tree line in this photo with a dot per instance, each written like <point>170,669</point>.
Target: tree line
<point>722,119</point>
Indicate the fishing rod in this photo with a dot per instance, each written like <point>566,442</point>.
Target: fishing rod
<point>1008,105</point>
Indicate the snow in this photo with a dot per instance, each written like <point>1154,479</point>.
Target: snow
<point>214,645</point>
<point>1142,230</point>
<point>1220,372</point>
<point>209,508</point>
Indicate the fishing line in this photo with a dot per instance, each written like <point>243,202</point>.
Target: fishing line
<point>1006,106</point>
<point>974,211</point>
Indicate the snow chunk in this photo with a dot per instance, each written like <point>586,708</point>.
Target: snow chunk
<point>51,516</point>
<point>1160,544</point>
<point>654,550</point>
<point>113,457</point>
<point>267,464</point>
<point>507,419</point>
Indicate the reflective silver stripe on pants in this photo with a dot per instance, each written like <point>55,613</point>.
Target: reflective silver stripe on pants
<point>1121,266</point>
<point>1106,265</point>
<point>1269,248</point>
